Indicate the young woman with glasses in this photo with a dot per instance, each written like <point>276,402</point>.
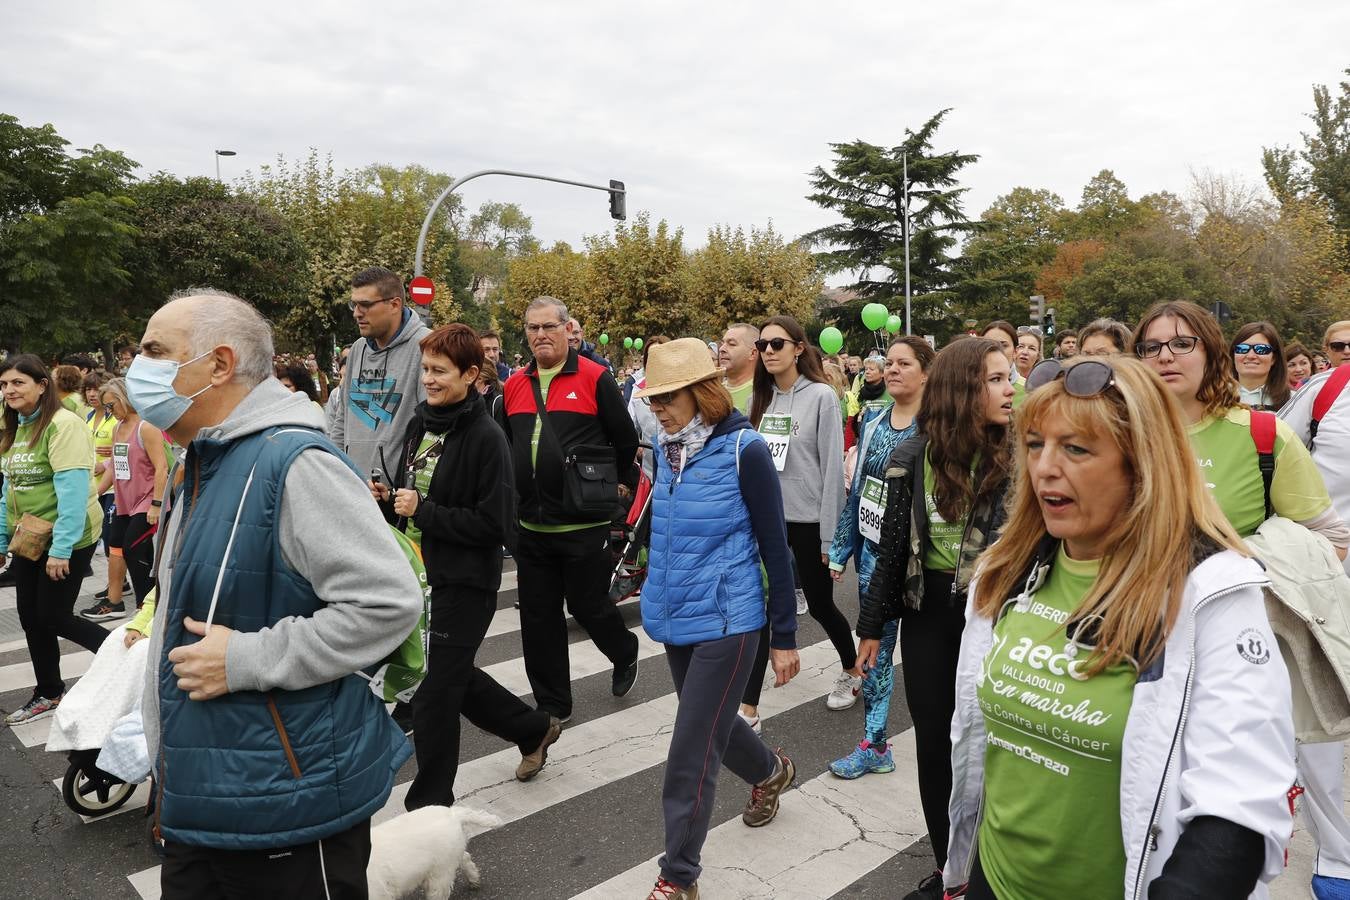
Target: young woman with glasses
<point>1110,740</point>
<point>457,501</point>
<point>1258,364</point>
<point>797,411</point>
<point>1182,343</point>
<point>944,495</point>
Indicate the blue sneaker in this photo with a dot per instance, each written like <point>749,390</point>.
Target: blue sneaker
<point>862,760</point>
<point>1324,887</point>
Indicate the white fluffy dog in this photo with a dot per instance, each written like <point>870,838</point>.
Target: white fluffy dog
<point>424,850</point>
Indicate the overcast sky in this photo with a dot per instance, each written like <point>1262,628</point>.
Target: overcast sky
<point>711,112</point>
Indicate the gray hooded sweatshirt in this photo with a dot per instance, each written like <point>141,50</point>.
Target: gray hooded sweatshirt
<point>813,476</point>
<point>334,536</point>
<point>380,392</point>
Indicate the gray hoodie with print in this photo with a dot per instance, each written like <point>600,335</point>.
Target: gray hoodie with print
<point>813,476</point>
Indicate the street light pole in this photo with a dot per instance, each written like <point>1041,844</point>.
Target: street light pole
<point>615,189</point>
<point>219,154</point>
<point>904,162</point>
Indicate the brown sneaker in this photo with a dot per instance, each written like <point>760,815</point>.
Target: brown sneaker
<point>531,763</point>
<point>763,803</point>
<point>665,890</point>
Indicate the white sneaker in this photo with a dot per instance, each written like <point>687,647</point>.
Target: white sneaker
<point>845,691</point>
<point>752,721</point>
<point>801,602</point>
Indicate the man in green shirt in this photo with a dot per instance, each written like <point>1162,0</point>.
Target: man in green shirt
<point>738,356</point>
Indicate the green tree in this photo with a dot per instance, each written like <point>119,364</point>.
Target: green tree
<point>1105,211</point>
<point>740,278</point>
<point>865,186</point>
<point>1321,169</point>
<point>1019,235</point>
<point>635,282</point>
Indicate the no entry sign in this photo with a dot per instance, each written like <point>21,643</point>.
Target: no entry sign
<point>423,290</point>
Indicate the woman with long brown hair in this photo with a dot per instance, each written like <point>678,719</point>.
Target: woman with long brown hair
<point>1123,721</point>
<point>944,494</point>
<point>1258,364</point>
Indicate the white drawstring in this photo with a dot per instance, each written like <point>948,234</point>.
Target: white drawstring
<point>229,545</point>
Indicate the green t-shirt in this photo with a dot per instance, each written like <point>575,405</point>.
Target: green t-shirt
<point>1228,463</point>
<point>1019,392</point>
<point>428,454</point>
<point>944,538</point>
<point>65,444</point>
<point>545,379</point>
<point>1052,756</point>
<point>741,395</point>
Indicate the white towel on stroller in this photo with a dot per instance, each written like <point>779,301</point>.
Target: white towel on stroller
<point>125,754</point>
<point>108,691</point>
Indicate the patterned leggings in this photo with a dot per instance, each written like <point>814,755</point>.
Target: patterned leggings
<point>878,681</point>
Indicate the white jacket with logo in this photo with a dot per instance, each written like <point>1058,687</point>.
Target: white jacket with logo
<point>1209,732</point>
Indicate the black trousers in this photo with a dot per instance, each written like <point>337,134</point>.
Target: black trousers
<point>573,566</point>
<point>930,642</point>
<point>333,868</point>
<point>133,536</point>
<point>47,614</point>
<point>455,687</point>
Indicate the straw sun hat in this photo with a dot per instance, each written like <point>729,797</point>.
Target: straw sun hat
<point>678,364</point>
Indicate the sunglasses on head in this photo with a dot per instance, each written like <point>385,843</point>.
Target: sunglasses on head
<point>1087,378</point>
<point>1338,346</point>
<point>1258,349</point>
<point>776,343</point>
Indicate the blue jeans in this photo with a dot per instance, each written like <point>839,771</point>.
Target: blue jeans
<point>878,681</point>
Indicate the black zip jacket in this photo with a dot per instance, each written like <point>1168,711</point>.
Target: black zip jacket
<point>468,514</point>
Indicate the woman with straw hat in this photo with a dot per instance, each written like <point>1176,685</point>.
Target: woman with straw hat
<point>716,512</point>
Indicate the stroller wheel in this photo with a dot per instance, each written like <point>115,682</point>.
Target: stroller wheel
<point>90,791</point>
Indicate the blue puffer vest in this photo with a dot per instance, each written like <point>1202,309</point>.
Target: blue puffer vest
<point>703,578</point>
<point>250,770</point>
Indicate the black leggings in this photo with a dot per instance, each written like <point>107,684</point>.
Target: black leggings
<point>47,614</point>
<point>814,575</point>
<point>930,642</point>
<point>132,535</point>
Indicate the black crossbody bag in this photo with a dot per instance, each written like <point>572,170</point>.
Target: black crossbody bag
<point>590,474</point>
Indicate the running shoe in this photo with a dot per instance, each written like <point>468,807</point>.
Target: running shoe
<point>103,594</point>
<point>929,889</point>
<point>666,890</point>
<point>845,691</point>
<point>762,806</point>
<point>752,721</point>
<point>37,708</point>
<point>103,611</point>
<point>1324,887</point>
<point>862,760</point>
<point>623,679</point>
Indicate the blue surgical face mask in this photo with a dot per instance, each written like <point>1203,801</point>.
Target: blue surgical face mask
<point>150,389</point>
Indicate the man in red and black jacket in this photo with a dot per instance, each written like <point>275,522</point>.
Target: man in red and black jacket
<point>560,557</point>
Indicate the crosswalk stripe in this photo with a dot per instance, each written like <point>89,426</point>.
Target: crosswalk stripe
<point>590,755</point>
<point>19,676</point>
<point>829,833</point>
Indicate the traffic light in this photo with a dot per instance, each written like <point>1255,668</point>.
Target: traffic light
<point>1037,309</point>
<point>618,201</point>
<point>1048,322</point>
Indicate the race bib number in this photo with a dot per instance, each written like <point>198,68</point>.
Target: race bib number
<point>122,462</point>
<point>871,508</point>
<point>777,431</point>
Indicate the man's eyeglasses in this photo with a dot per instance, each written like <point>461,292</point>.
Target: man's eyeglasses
<point>1338,346</point>
<point>548,327</point>
<point>1179,345</point>
<point>1258,349</point>
<point>365,305</point>
<point>661,399</point>
<point>776,343</point>
<point>1084,379</point>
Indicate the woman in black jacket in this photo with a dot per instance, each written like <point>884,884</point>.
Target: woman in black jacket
<point>458,502</point>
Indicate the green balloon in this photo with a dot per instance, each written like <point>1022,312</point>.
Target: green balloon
<point>604,339</point>
<point>874,316</point>
<point>831,339</point>
<point>893,324</point>
<point>628,343</point>
<point>637,343</point>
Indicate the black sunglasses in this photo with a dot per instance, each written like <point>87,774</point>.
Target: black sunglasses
<point>776,343</point>
<point>1338,346</point>
<point>1258,349</point>
<point>660,399</point>
<point>1087,378</point>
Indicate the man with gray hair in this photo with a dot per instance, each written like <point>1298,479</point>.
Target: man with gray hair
<point>270,751</point>
<point>563,548</point>
<point>737,354</point>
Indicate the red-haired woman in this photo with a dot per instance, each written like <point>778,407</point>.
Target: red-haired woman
<point>458,501</point>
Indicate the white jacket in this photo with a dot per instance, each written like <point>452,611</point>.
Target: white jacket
<point>1209,732</point>
<point>1331,451</point>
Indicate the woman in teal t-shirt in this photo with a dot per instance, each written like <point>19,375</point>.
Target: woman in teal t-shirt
<point>1123,719</point>
<point>46,455</point>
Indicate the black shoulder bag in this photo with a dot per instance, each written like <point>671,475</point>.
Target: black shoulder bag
<point>590,473</point>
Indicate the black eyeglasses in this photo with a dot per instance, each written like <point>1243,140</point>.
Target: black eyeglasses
<point>661,399</point>
<point>1338,346</point>
<point>1179,345</point>
<point>1086,378</point>
<point>365,305</point>
<point>1258,349</point>
<point>776,343</point>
